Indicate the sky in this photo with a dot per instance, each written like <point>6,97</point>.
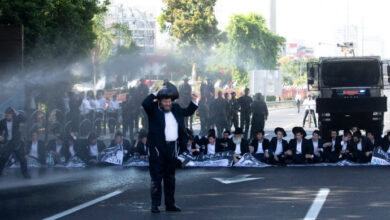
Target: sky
<point>311,22</point>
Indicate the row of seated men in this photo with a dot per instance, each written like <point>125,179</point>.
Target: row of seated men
<point>87,149</point>
<point>350,146</point>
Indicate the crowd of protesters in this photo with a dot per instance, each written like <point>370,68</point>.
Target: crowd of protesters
<point>218,113</point>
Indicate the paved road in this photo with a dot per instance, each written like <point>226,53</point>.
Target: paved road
<point>273,193</point>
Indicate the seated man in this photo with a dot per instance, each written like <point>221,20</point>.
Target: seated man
<point>385,143</point>
<point>241,145</point>
<point>332,147</point>
<point>372,140</point>
<point>345,146</point>
<point>300,150</point>
<point>72,150</point>
<point>259,147</point>
<point>123,143</point>
<point>36,149</point>
<point>226,141</point>
<point>201,141</point>
<point>317,145</point>
<point>57,149</point>
<point>361,150</point>
<point>278,147</point>
<point>94,148</point>
<point>140,145</point>
<point>212,145</point>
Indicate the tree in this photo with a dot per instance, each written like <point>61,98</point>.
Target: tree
<point>251,45</point>
<point>294,72</point>
<point>53,29</point>
<point>193,24</point>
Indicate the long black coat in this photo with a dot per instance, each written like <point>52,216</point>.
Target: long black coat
<point>255,144</point>
<point>156,135</point>
<point>274,142</point>
<point>16,136</point>
<point>306,146</point>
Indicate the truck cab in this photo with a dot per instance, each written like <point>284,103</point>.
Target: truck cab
<point>350,92</point>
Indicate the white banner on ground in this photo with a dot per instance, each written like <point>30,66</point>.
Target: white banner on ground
<point>248,160</point>
<point>220,159</point>
<point>113,155</point>
<point>379,157</point>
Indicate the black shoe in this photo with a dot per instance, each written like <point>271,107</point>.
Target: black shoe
<point>173,208</point>
<point>155,209</point>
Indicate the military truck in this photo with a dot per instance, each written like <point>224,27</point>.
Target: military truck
<point>350,92</point>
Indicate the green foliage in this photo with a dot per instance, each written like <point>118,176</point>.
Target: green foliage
<point>294,72</point>
<point>54,29</point>
<point>192,23</point>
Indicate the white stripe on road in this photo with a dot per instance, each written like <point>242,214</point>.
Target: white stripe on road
<point>318,202</point>
<point>84,205</point>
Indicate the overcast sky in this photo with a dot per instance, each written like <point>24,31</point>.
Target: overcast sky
<point>310,21</point>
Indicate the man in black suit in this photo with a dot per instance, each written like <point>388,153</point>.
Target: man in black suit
<point>93,149</point>
<point>166,133</point>
<point>278,147</point>
<point>140,145</point>
<point>36,149</point>
<point>332,147</point>
<point>259,114</point>
<point>212,145</point>
<point>240,144</point>
<point>300,148</point>
<point>57,148</point>
<point>259,147</point>
<point>361,150</point>
<point>125,144</point>
<point>226,141</point>
<point>11,140</point>
<point>316,143</point>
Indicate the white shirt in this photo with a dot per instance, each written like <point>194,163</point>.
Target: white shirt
<point>113,105</point>
<point>388,150</point>
<point>359,146</point>
<point>93,150</point>
<point>279,147</point>
<point>58,148</point>
<point>102,104</point>
<point>344,144</point>
<point>71,150</point>
<point>211,148</point>
<point>238,149</point>
<point>34,149</point>
<point>9,129</point>
<point>309,104</point>
<point>299,147</point>
<point>260,148</point>
<point>171,127</point>
<point>85,107</point>
<point>333,144</point>
<point>315,145</point>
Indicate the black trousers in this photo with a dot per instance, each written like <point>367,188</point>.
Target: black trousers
<point>162,164</point>
<point>245,120</point>
<point>112,121</point>
<point>314,117</point>
<point>128,124</point>
<point>17,149</point>
<point>235,121</point>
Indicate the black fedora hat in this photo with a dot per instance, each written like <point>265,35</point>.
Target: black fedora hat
<point>169,92</point>
<point>238,131</point>
<point>299,130</point>
<point>281,130</point>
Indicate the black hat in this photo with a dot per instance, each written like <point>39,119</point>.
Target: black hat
<point>299,130</point>
<point>281,130</point>
<point>170,92</point>
<point>238,131</point>
<point>92,136</point>
<point>142,134</point>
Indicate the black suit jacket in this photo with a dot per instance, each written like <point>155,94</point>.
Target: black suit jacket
<point>365,146</point>
<point>156,135</point>
<point>226,144</point>
<point>41,151</point>
<point>244,146</point>
<point>255,144</point>
<point>51,146</point>
<point>16,136</point>
<point>218,147</point>
<point>385,144</point>
<point>306,147</point>
<point>274,142</point>
<point>127,149</point>
<point>320,143</point>
<point>140,149</point>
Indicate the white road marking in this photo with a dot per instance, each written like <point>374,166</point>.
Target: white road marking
<point>84,205</point>
<point>237,179</point>
<point>318,202</point>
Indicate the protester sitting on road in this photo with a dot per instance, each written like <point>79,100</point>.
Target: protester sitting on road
<point>259,147</point>
<point>317,145</point>
<point>346,146</point>
<point>300,150</point>
<point>94,148</point>
<point>141,149</point>
<point>278,147</point>
<point>36,149</point>
<point>332,147</point>
<point>122,143</point>
<point>226,141</point>
<point>57,149</point>
<point>385,143</point>
<point>372,140</point>
<point>72,150</point>
<point>361,149</point>
<point>241,145</point>
<point>212,145</point>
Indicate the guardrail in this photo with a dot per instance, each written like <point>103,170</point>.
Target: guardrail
<point>282,104</point>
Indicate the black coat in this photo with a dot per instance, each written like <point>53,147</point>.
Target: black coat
<point>365,146</point>
<point>255,145</point>
<point>218,148</point>
<point>320,143</point>
<point>156,135</point>
<point>140,149</point>
<point>274,142</point>
<point>306,146</point>
<point>51,146</point>
<point>244,146</point>
<point>226,144</point>
<point>385,144</point>
<point>259,112</point>
<point>127,148</point>
<point>41,151</point>
<point>16,135</point>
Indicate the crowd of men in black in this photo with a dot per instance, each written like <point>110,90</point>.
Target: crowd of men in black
<point>217,117</point>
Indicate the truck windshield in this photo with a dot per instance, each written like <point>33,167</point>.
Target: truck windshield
<point>350,73</point>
